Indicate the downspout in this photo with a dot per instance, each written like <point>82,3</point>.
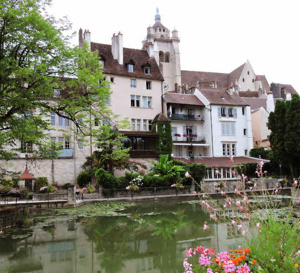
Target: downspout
<point>212,134</point>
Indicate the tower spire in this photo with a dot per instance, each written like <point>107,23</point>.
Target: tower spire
<point>157,16</point>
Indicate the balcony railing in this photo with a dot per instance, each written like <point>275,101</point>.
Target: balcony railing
<point>188,138</point>
<point>186,117</point>
<point>66,153</point>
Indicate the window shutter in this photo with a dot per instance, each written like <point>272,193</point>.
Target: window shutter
<point>227,112</point>
<point>184,130</point>
<point>234,112</point>
<point>219,111</point>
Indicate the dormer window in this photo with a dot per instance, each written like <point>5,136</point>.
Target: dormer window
<point>130,68</point>
<point>147,70</point>
<point>102,60</point>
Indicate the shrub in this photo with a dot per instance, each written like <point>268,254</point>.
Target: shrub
<point>66,185</point>
<point>197,171</point>
<point>106,179</point>
<point>84,178</point>
<point>40,182</point>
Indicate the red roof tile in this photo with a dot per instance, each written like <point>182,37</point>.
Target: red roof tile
<point>186,99</point>
<point>139,57</point>
<point>26,175</point>
<point>221,97</point>
<point>160,117</point>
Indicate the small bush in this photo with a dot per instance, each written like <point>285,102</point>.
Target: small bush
<point>106,179</point>
<point>66,185</point>
<point>84,178</point>
<point>40,182</point>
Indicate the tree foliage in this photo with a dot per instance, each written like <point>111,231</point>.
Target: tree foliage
<point>35,60</point>
<point>284,124</point>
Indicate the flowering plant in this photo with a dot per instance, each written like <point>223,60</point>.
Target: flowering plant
<point>177,185</point>
<point>178,135</point>
<point>49,188</point>
<point>185,135</point>
<point>135,184</point>
<point>202,259</point>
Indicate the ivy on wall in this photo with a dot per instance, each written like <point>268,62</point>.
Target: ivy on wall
<point>164,142</point>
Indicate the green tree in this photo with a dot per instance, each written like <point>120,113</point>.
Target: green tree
<point>284,137</point>
<point>292,135</point>
<point>112,153</point>
<point>40,74</point>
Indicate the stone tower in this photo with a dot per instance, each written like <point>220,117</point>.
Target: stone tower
<point>165,49</point>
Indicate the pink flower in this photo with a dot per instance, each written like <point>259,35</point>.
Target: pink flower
<point>206,227</point>
<point>223,256</point>
<point>187,265</point>
<point>233,173</point>
<point>229,267</point>
<point>243,269</point>
<point>209,270</point>
<point>204,260</point>
<point>298,253</point>
<point>245,232</point>
<point>258,225</point>
<point>187,175</point>
<point>189,252</point>
<point>223,193</point>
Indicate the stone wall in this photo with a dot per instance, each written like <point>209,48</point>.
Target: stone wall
<point>60,171</point>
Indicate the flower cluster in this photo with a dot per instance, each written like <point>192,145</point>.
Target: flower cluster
<point>48,189</point>
<point>177,185</point>
<point>135,184</point>
<point>206,260</point>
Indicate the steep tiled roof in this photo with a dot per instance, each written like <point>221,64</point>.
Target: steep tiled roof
<point>223,161</point>
<point>264,81</point>
<point>187,99</point>
<point>203,79</point>
<point>249,94</point>
<point>26,175</point>
<point>160,117</point>
<point>193,77</point>
<point>256,103</point>
<point>288,88</point>
<point>235,74</point>
<point>139,57</point>
<point>221,97</point>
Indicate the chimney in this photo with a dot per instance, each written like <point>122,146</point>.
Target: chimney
<point>80,37</point>
<point>117,47</point>
<point>87,37</point>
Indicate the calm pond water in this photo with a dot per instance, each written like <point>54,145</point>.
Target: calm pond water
<point>148,237</point>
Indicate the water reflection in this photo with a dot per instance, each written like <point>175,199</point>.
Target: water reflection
<point>152,238</point>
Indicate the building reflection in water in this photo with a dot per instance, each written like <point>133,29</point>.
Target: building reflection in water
<point>141,242</point>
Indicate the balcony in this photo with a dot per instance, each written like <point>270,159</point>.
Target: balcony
<point>184,139</point>
<point>185,117</point>
<point>66,153</point>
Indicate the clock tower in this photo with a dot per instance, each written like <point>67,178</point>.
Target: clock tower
<point>165,49</point>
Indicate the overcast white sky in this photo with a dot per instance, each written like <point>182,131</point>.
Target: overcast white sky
<point>216,35</point>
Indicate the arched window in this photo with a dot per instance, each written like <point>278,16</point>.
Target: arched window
<point>161,56</point>
<point>167,57</point>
